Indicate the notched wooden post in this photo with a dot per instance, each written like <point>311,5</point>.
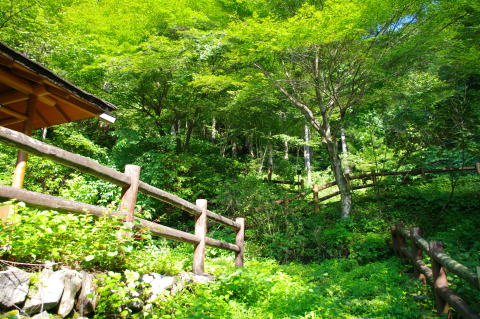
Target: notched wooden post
<point>439,277</point>
<point>201,233</point>
<point>129,195</point>
<point>316,189</point>
<point>417,254</point>
<point>240,241</point>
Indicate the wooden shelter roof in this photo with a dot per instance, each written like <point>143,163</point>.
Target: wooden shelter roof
<point>58,101</point>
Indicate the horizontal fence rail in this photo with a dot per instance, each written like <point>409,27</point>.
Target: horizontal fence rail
<point>130,184</point>
<point>436,275</point>
<point>373,176</point>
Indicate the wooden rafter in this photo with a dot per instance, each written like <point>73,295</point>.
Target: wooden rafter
<point>13,113</point>
<point>12,97</point>
<point>10,121</point>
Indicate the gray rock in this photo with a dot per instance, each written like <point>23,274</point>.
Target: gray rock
<point>47,293</point>
<point>86,305</point>
<point>42,315</point>
<point>187,278</point>
<point>13,286</point>
<point>73,283</point>
<point>158,283</point>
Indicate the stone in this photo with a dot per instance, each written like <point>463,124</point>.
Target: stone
<point>42,315</point>
<point>13,287</point>
<point>187,278</point>
<point>158,283</point>
<point>86,305</point>
<point>47,294</point>
<point>72,283</point>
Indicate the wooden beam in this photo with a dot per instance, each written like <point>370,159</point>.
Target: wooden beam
<point>12,97</point>
<point>62,113</point>
<point>44,120</point>
<point>70,99</point>
<point>13,113</point>
<point>22,85</point>
<point>10,121</point>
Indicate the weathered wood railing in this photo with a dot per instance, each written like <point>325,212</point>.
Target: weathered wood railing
<point>369,176</point>
<point>130,183</point>
<point>436,275</point>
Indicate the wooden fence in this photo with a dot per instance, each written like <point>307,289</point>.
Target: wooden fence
<point>130,183</point>
<point>436,275</point>
<point>365,177</point>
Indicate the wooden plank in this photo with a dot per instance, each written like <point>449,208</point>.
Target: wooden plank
<point>198,265</point>
<point>72,101</point>
<point>62,113</point>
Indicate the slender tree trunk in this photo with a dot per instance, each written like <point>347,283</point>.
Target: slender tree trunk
<point>344,150</point>
<point>178,140</point>
<point>214,129</point>
<point>270,161</point>
<point>285,155</point>
<point>250,147</point>
<point>188,136</point>
<point>337,169</point>
<point>234,149</point>
<point>307,152</point>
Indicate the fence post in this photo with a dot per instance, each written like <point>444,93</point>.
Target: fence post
<point>393,231</point>
<point>477,165</point>
<point>129,195</point>
<point>201,233</point>
<point>316,189</point>
<point>240,241</point>
<point>439,277</point>
<point>417,254</point>
<point>401,242</point>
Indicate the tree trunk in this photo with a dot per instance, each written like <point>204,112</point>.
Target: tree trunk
<point>344,150</point>
<point>307,152</point>
<point>214,129</point>
<point>176,127</point>
<point>285,156</point>
<point>337,169</point>
<point>270,161</point>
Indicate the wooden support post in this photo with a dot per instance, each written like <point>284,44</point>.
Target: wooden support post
<point>316,189</point>
<point>240,242</point>
<point>401,242</point>
<point>22,157</point>
<point>439,277</point>
<point>129,195</point>
<point>201,233</point>
<point>477,166</point>
<point>417,254</point>
<point>393,231</point>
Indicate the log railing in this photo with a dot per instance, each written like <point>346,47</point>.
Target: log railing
<point>436,275</point>
<point>130,183</point>
<point>369,176</point>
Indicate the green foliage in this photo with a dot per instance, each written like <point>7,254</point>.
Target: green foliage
<point>336,288</point>
<point>80,241</point>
